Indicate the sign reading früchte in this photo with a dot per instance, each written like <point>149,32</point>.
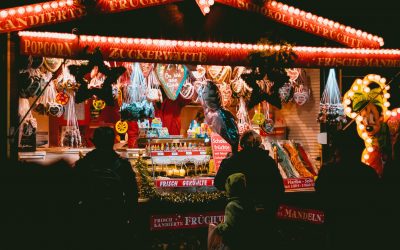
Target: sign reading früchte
<point>179,221</point>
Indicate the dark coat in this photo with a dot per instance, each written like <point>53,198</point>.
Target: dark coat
<point>238,228</point>
<point>349,194</point>
<point>264,182</point>
<point>103,225</point>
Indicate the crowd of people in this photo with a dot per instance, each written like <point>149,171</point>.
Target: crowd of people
<point>63,207</point>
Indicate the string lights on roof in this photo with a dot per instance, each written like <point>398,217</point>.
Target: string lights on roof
<point>203,44</point>
<point>326,22</point>
<point>35,8</point>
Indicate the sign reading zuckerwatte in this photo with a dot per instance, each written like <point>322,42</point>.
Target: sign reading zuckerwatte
<point>220,148</point>
<point>179,221</point>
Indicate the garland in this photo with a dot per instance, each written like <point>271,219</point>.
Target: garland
<point>148,190</point>
<point>273,64</point>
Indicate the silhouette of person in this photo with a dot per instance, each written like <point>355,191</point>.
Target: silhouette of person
<point>238,226</point>
<point>391,189</point>
<point>264,182</point>
<point>348,191</point>
<point>107,194</point>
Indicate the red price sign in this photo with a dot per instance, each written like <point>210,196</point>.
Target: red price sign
<point>220,148</point>
<point>185,182</point>
<point>298,183</point>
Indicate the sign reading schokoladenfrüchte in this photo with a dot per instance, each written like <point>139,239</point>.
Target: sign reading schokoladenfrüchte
<point>220,149</point>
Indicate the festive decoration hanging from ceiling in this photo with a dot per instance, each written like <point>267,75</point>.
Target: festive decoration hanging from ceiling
<point>220,120</point>
<point>172,78</point>
<point>95,66</point>
<point>330,107</point>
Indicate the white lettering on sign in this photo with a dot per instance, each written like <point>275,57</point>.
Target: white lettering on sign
<point>203,220</point>
<point>168,183</point>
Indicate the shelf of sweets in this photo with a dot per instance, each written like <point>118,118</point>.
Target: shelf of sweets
<point>176,149</point>
<point>188,170</point>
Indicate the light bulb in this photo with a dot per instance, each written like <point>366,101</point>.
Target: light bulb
<point>366,156</point>
<point>370,149</point>
<point>355,88</point>
<point>353,115</point>
<point>361,127</point>
<point>347,110</point>
<point>364,135</point>
<point>369,140</point>
<point>359,118</point>
<point>347,101</point>
<point>367,90</point>
<point>387,95</point>
<point>386,104</point>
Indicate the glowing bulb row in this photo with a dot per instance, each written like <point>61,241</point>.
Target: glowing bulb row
<point>347,50</point>
<point>295,11</point>
<point>35,8</point>
<point>262,47</point>
<point>168,43</point>
<point>48,35</point>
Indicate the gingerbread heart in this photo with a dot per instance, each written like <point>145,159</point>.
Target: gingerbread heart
<point>172,78</point>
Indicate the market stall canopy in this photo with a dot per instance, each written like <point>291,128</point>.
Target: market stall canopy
<point>227,21</point>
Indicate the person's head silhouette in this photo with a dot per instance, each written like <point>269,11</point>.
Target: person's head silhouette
<point>103,138</point>
<point>250,139</point>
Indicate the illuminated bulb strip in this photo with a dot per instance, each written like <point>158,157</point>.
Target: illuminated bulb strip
<point>35,8</point>
<point>346,50</point>
<point>47,35</point>
<point>239,46</point>
<point>324,21</point>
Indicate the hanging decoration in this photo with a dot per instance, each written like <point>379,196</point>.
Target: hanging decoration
<point>153,87</point>
<point>367,101</point>
<point>188,90</point>
<point>71,136</point>
<point>271,63</point>
<point>200,81</point>
<point>135,105</point>
<point>95,66</point>
<point>220,120</point>
<point>52,64</point>
<point>226,94</point>
<point>258,117</point>
<point>172,78</point>
<point>238,85</point>
<point>268,124</point>
<point>27,130</point>
<point>146,68</point>
<point>242,115</point>
<point>219,74</point>
<point>33,78</point>
<point>46,104</point>
<point>98,104</point>
<point>301,92</point>
<point>121,127</point>
<point>330,107</point>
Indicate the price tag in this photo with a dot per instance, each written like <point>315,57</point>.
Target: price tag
<point>174,153</point>
<point>188,153</point>
<point>160,153</point>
